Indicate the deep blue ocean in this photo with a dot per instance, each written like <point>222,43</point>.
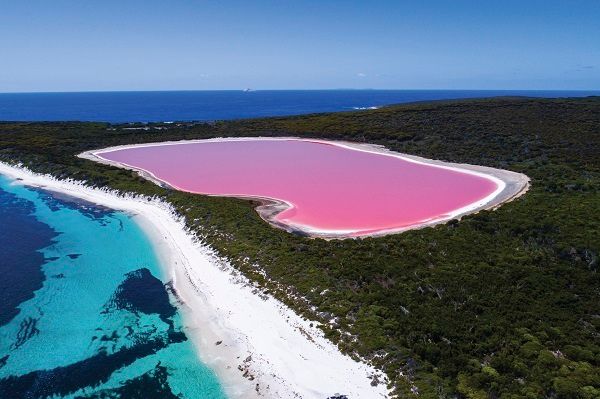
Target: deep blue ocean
<point>117,107</point>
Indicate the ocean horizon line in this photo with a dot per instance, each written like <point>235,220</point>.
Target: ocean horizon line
<point>250,90</point>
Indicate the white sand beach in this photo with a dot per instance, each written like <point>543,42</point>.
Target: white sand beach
<point>257,346</point>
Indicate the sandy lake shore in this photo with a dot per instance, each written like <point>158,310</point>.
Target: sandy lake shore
<point>509,185</point>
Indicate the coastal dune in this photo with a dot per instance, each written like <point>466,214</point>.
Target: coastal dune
<point>257,346</point>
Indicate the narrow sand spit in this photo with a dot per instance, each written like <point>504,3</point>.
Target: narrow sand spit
<point>509,184</point>
<point>257,346</point>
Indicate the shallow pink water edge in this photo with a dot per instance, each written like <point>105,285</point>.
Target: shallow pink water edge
<point>330,188</point>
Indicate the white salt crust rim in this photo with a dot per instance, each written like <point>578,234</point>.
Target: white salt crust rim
<point>519,183</point>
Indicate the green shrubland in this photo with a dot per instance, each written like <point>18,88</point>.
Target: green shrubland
<point>501,304</point>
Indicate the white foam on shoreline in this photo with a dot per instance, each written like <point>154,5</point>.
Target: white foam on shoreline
<point>284,354</point>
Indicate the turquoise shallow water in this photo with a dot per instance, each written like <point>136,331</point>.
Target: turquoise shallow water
<point>92,315</point>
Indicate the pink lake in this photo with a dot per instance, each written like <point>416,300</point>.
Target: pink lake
<point>330,188</point>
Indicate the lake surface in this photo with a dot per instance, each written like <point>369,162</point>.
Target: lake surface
<point>163,106</point>
<point>84,308</point>
<point>329,188</point>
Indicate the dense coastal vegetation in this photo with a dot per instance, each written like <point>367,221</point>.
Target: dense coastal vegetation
<point>503,303</point>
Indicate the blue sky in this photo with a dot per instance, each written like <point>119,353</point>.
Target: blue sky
<point>64,45</point>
